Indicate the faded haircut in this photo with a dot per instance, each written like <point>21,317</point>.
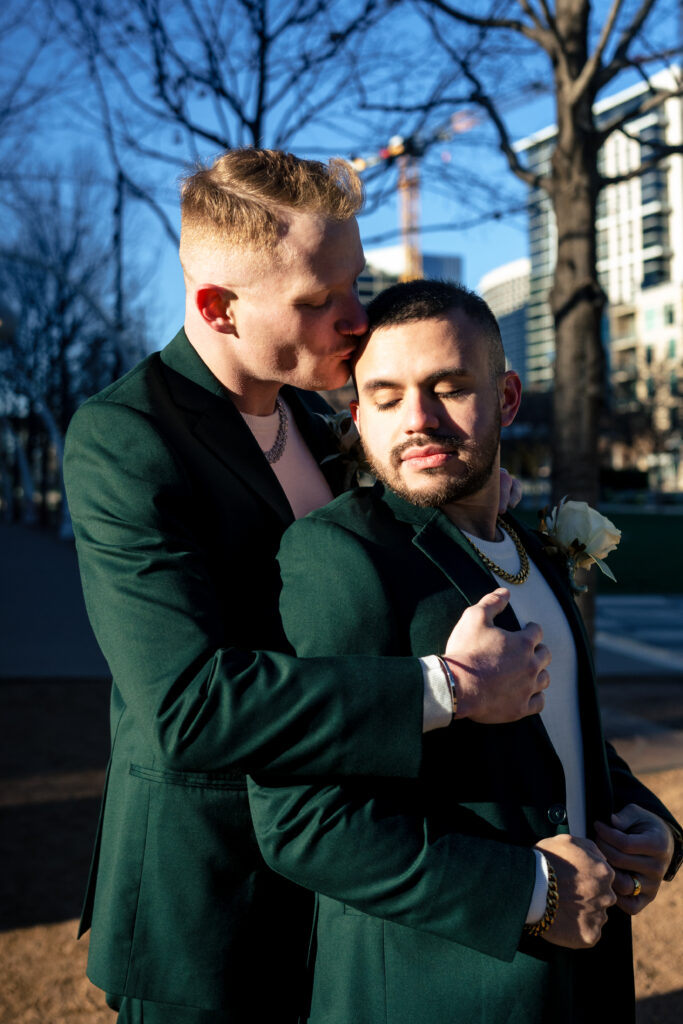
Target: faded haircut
<point>428,300</point>
<point>240,199</point>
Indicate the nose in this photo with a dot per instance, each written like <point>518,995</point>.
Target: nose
<point>354,319</point>
<point>419,414</point>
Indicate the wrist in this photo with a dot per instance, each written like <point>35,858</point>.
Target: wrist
<point>552,902</point>
<point>463,696</point>
<point>449,676</point>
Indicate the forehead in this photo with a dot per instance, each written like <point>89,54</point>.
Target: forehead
<point>319,251</point>
<point>413,352</point>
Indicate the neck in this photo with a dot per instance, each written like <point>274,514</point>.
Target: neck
<point>478,513</point>
<point>479,525</point>
<point>254,397</point>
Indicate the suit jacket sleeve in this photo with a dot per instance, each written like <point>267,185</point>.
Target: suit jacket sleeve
<point>204,703</point>
<point>359,841</point>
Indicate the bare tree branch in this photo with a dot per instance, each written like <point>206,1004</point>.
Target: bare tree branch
<point>592,65</point>
<point>479,97</point>
<point>135,190</point>
<point>649,103</point>
<point>620,59</point>
<point>543,37</point>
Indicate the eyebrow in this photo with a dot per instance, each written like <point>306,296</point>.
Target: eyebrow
<point>379,385</point>
<point>318,287</point>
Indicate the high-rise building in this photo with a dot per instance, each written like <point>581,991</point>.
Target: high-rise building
<point>639,223</point>
<point>506,290</point>
<point>386,266</point>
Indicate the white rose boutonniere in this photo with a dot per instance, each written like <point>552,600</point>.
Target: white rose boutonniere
<point>349,444</point>
<point>580,535</point>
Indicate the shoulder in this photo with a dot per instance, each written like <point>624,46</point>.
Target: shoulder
<point>119,429</point>
<point>132,389</point>
<point>357,519</point>
<point>124,407</point>
<point>360,510</point>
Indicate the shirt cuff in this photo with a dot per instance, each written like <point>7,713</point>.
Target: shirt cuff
<point>437,708</point>
<point>539,896</point>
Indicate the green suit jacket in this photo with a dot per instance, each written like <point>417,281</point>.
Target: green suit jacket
<point>178,518</point>
<point>425,885</point>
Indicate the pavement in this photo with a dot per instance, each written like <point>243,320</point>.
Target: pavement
<point>44,629</point>
<point>46,639</point>
<point>639,662</point>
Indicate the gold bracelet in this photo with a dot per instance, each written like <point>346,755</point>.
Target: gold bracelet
<point>450,679</point>
<point>552,902</point>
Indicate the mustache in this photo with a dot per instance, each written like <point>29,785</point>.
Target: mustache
<point>448,442</point>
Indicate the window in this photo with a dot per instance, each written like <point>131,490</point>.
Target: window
<point>669,314</point>
<point>601,208</point>
<point>655,271</point>
<point>655,230</point>
<point>602,244</point>
<point>672,348</point>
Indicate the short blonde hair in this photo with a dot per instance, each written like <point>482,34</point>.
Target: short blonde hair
<point>239,200</point>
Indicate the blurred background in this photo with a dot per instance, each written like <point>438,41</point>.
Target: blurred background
<point>532,150</point>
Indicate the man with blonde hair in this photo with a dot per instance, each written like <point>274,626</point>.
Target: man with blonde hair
<point>182,477</point>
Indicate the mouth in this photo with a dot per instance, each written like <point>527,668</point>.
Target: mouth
<point>429,456</point>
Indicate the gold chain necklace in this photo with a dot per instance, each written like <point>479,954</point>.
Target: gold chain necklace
<point>522,575</point>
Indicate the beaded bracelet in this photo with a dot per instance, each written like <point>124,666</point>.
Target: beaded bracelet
<point>551,904</point>
<point>450,679</point>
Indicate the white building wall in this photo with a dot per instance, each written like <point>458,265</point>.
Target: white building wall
<point>626,211</point>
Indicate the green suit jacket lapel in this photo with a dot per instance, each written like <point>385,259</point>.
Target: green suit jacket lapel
<point>450,551</point>
<point>444,545</point>
<point>216,422</point>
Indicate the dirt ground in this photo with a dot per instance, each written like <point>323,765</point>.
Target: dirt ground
<point>47,823</point>
<point>44,967</point>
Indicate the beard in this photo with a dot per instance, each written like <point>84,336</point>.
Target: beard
<point>443,488</point>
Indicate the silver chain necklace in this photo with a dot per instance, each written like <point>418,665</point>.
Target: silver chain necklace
<point>277,451</point>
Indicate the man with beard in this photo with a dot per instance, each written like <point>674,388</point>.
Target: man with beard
<point>498,886</point>
<point>182,477</point>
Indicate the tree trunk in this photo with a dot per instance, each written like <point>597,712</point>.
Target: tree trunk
<point>576,298</point>
<point>577,302</point>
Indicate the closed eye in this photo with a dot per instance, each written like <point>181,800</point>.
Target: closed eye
<point>451,393</point>
<point>317,304</point>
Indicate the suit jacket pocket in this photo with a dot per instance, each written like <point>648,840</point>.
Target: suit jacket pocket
<point>231,779</point>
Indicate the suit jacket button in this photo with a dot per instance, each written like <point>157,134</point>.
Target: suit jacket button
<point>557,814</point>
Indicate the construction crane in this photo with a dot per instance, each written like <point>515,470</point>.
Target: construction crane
<point>407,152</point>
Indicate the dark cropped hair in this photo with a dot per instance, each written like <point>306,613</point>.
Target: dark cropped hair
<point>428,300</point>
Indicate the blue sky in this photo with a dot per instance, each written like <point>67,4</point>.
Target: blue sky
<point>488,244</point>
<point>482,241</point>
<point>464,183</point>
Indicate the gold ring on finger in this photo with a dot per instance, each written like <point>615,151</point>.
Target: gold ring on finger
<point>637,885</point>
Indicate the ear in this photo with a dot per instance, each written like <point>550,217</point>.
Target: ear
<point>355,413</point>
<point>510,395</point>
<point>215,307</point>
